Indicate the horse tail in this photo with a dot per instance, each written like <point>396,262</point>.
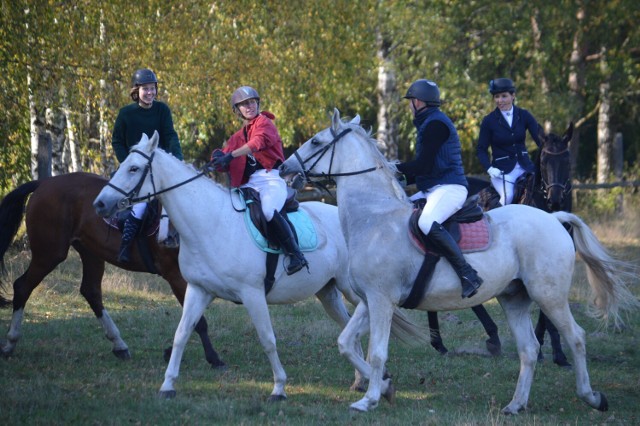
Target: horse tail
<point>607,276</point>
<point>406,331</point>
<point>11,214</point>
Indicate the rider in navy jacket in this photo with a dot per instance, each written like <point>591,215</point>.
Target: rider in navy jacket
<point>504,130</point>
<point>439,175</point>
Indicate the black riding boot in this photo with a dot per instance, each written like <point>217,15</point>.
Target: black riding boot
<point>445,244</point>
<point>131,227</point>
<point>287,241</point>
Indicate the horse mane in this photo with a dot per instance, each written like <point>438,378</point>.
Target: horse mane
<point>389,168</point>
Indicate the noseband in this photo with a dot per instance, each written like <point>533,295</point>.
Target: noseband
<point>565,187</point>
<point>132,197</point>
<point>321,153</point>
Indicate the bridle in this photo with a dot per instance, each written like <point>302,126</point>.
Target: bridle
<point>132,197</point>
<point>546,186</point>
<point>306,172</point>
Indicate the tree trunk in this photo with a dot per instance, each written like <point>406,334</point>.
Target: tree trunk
<point>387,134</point>
<point>40,140</point>
<point>544,84</point>
<point>56,126</point>
<point>576,82</point>
<point>604,130</point>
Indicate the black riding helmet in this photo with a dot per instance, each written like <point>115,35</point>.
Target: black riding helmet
<point>425,90</point>
<point>143,76</point>
<point>501,85</point>
<point>140,77</point>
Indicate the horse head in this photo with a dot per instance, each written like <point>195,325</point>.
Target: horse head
<point>132,178</point>
<point>316,158</point>
<point>555,169</point>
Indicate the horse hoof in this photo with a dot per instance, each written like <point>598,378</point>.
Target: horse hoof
<point>495,349</point>
<point>440,348</point>
<point>220,366</point>
<point>358,388</point>
<point>276,398</point>
<point>122,354</point>
<point>167,394</point>
<point>604,404</point>
<point>390,394</point>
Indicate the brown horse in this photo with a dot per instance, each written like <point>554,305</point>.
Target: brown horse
<point>59,215</point>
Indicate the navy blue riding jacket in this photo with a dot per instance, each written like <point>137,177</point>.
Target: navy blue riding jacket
<point>507,143</point>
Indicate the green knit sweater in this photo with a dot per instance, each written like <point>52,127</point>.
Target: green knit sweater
<point>133,121</point>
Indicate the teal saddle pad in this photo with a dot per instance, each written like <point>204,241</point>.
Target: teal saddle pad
<point>305,230</point>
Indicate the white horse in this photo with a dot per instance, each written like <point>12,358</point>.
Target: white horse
<point>218,257</point>
<point>530,259</point>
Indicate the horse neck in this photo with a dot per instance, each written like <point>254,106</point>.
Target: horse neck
<point>192,204</point>
<point>376,192</point>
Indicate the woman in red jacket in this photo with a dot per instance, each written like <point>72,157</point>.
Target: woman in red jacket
<point>252,155</point>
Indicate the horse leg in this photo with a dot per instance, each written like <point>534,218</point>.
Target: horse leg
<point>574,335</point>
<point>559,358</point>
<point>434,331</point>
<point>380,316</point>
<point>196,301</point>
<point>493,342</point>
<point>170,271</point>
<point>91,290</point>
<point>541,327</point>
<point>41,265</point>
<point>516,309</point>
<point>357,326</point>
<point>333,304</point>
<point>256,306</point>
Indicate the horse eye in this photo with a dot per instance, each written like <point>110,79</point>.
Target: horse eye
<point>134,169</point>
<point>315,141</point>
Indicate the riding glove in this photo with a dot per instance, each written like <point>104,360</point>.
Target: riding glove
<point>494,172</point>
<point>221,162</point>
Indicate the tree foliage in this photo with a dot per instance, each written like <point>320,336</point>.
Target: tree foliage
<point>304,59</point>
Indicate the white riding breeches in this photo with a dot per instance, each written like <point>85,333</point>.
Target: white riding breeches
<point>137,210</point>
<point>442,202</point>
<point>505,185</point>
<point>272,189</point>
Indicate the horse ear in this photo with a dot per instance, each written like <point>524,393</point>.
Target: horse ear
<point>568,134</point>
<point>335,120</point>
<point>144,138</point>
<point>355,120</point>
<point>155,139</point>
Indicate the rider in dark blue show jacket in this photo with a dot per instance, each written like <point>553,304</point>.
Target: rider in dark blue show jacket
<point>504,130</point>
<point>439,175</point>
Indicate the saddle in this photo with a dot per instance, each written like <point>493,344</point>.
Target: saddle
<point>523,193</point>
<point>469,228</point>
<point>252,201</point>
<point>259,222</point>
<point>149,227</point>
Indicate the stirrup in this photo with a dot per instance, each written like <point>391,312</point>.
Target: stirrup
<point>296,262</point>
<point>470,287</point>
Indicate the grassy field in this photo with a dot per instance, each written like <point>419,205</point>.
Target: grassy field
<point>63,372</point>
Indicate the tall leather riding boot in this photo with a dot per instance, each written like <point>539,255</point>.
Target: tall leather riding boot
<point>445,244</point>
<point>287,241</point>
<point>131,227</point>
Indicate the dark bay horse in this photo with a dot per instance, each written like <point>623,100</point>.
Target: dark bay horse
<point>549,190</point>
<point>59,215</point>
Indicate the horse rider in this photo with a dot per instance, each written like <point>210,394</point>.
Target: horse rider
<point>145,115</point>
<point>504,131</point>
<point>439,175</point>
<point>252,156</point>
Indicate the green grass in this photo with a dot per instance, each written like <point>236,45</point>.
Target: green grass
<point>63,372</point>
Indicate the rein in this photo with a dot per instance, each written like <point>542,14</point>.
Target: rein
<point>131,197</point>
<point>331,145</point>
